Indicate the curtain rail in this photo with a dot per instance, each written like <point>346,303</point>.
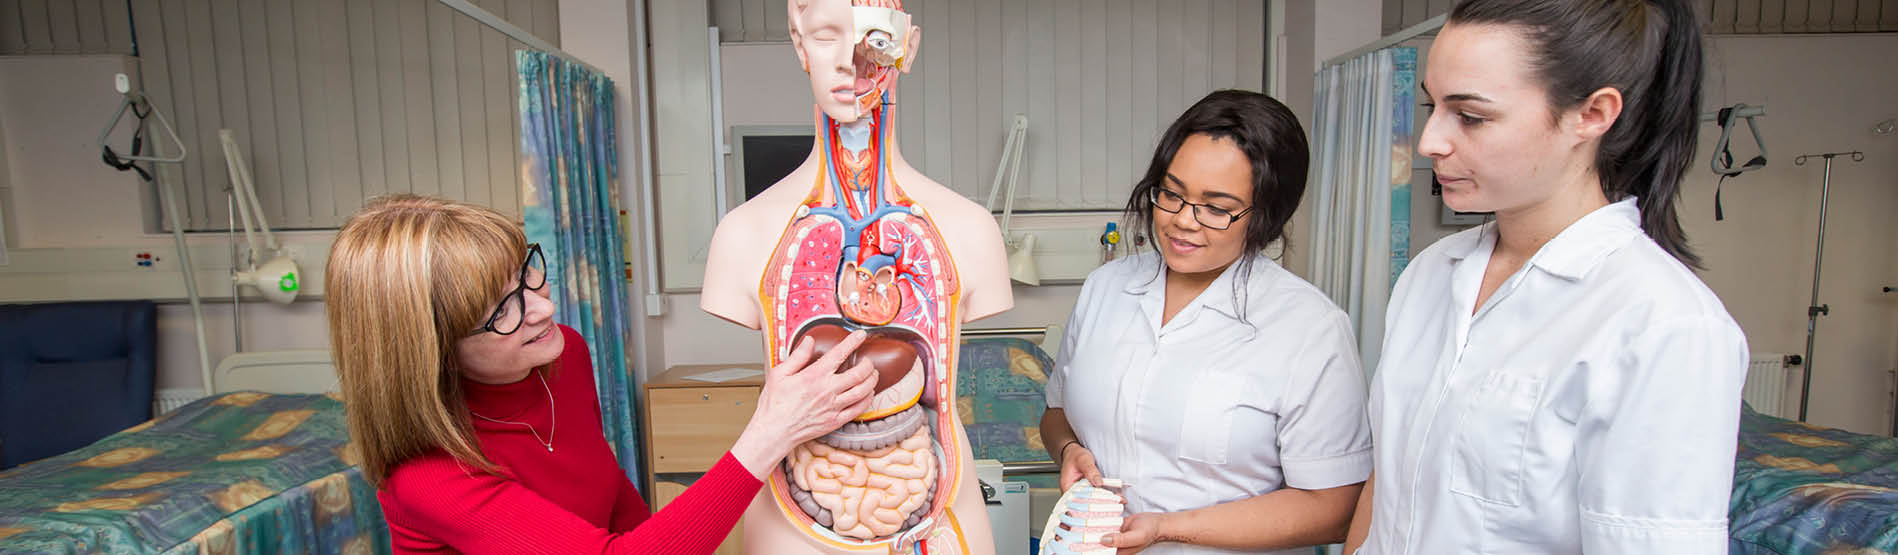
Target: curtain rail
<point>1384,42</point>
<point>495,22</point>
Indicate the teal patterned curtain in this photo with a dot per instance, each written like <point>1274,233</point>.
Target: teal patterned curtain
<point>570,201</point>
<point>1403,138</point>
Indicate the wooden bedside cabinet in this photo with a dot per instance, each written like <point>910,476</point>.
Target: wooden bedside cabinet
<point>690,424</point>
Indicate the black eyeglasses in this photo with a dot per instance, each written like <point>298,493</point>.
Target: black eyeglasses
<point>1206,214</point>
<point>507,317</point>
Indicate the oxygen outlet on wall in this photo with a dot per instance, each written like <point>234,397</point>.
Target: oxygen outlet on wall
<point>145,260</point>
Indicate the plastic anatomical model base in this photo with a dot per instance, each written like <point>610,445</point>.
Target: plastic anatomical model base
<point>1082,516</point>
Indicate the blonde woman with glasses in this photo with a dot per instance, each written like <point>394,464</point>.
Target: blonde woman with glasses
<point>475,413</point>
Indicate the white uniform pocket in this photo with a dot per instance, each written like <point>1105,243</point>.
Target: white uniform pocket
<point>1492,439</point>
<point>1206,424</point>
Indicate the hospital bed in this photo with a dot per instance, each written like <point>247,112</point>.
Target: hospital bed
<point>1000,374</point>
<point>1799,488</point>
<point>240,472</point>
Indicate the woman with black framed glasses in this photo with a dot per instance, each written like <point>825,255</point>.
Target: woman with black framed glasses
<point>475,414</point>
<point>1223,388</point>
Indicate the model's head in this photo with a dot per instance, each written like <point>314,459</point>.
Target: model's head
<point>1533,96</point>
<point>853,51</point>
<point>416,291</point>
<point>1223,182</point>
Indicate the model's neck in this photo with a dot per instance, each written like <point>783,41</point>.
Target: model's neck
<point>855,136</point>
<point>855,150</point>
<point>881,124</point>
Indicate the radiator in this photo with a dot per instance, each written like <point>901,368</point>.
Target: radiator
<point>167,400</point>
<point>1766,376</point>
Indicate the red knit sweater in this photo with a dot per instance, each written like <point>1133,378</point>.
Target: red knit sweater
<point>571,500</point>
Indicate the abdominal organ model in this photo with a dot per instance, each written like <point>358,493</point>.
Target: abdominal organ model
<point>858,255</point>
<point>846,243</point>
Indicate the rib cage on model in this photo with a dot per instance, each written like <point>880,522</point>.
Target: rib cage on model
<point>1082,516</point>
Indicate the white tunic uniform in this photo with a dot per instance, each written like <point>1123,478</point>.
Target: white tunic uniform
<point>1591,405</point>
<point>1211,408</point>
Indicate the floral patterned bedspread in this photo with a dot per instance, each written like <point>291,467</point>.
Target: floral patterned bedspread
<point>241,472</point>
<point>1799,488</point>
<point>998,387</point>
<point>998,384</point>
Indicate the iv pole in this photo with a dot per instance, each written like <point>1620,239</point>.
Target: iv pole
<point>1814,310</point>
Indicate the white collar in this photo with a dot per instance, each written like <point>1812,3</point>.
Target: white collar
<point>1218,295</point>
<point>1577,249</point>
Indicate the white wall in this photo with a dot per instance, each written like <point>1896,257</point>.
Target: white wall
<point>682,121</point>
<point>1823,94</point>
<point>54,107</point>
<point>62,196</point>
<point>1342,25</point>
<point>9,235</point>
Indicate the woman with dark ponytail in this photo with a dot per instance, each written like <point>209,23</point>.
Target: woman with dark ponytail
<point>1558,380</point>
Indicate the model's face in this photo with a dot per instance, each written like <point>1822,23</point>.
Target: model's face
<point>853,54</point>
<point>1491,137</point>
<point>1216,174</point>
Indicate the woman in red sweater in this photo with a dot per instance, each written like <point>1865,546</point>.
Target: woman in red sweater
<point>475,414</point>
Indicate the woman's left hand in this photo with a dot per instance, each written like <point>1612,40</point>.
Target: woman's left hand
<point>1139,531</point>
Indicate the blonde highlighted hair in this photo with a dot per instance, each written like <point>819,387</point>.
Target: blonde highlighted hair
<point>408,277</point>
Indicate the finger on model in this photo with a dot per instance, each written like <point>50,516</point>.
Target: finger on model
<point>800,357</point>
<point>840,352</point>
<point>860,401</point>
<point>861,384</point>
<point>862,371</point>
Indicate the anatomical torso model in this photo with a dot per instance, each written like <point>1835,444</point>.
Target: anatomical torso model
<point>856,239</point>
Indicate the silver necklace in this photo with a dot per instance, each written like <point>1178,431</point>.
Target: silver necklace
<point>553,420</point>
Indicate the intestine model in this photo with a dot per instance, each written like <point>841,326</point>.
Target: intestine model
<point>1084,514</point>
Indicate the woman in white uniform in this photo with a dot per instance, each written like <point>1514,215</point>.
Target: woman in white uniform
<point>1225,390</point>
<point>1558,380</point>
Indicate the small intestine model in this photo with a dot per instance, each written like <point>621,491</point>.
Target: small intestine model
<point>1083,516</point>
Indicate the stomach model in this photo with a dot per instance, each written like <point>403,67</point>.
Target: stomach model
<point>870,259</point>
